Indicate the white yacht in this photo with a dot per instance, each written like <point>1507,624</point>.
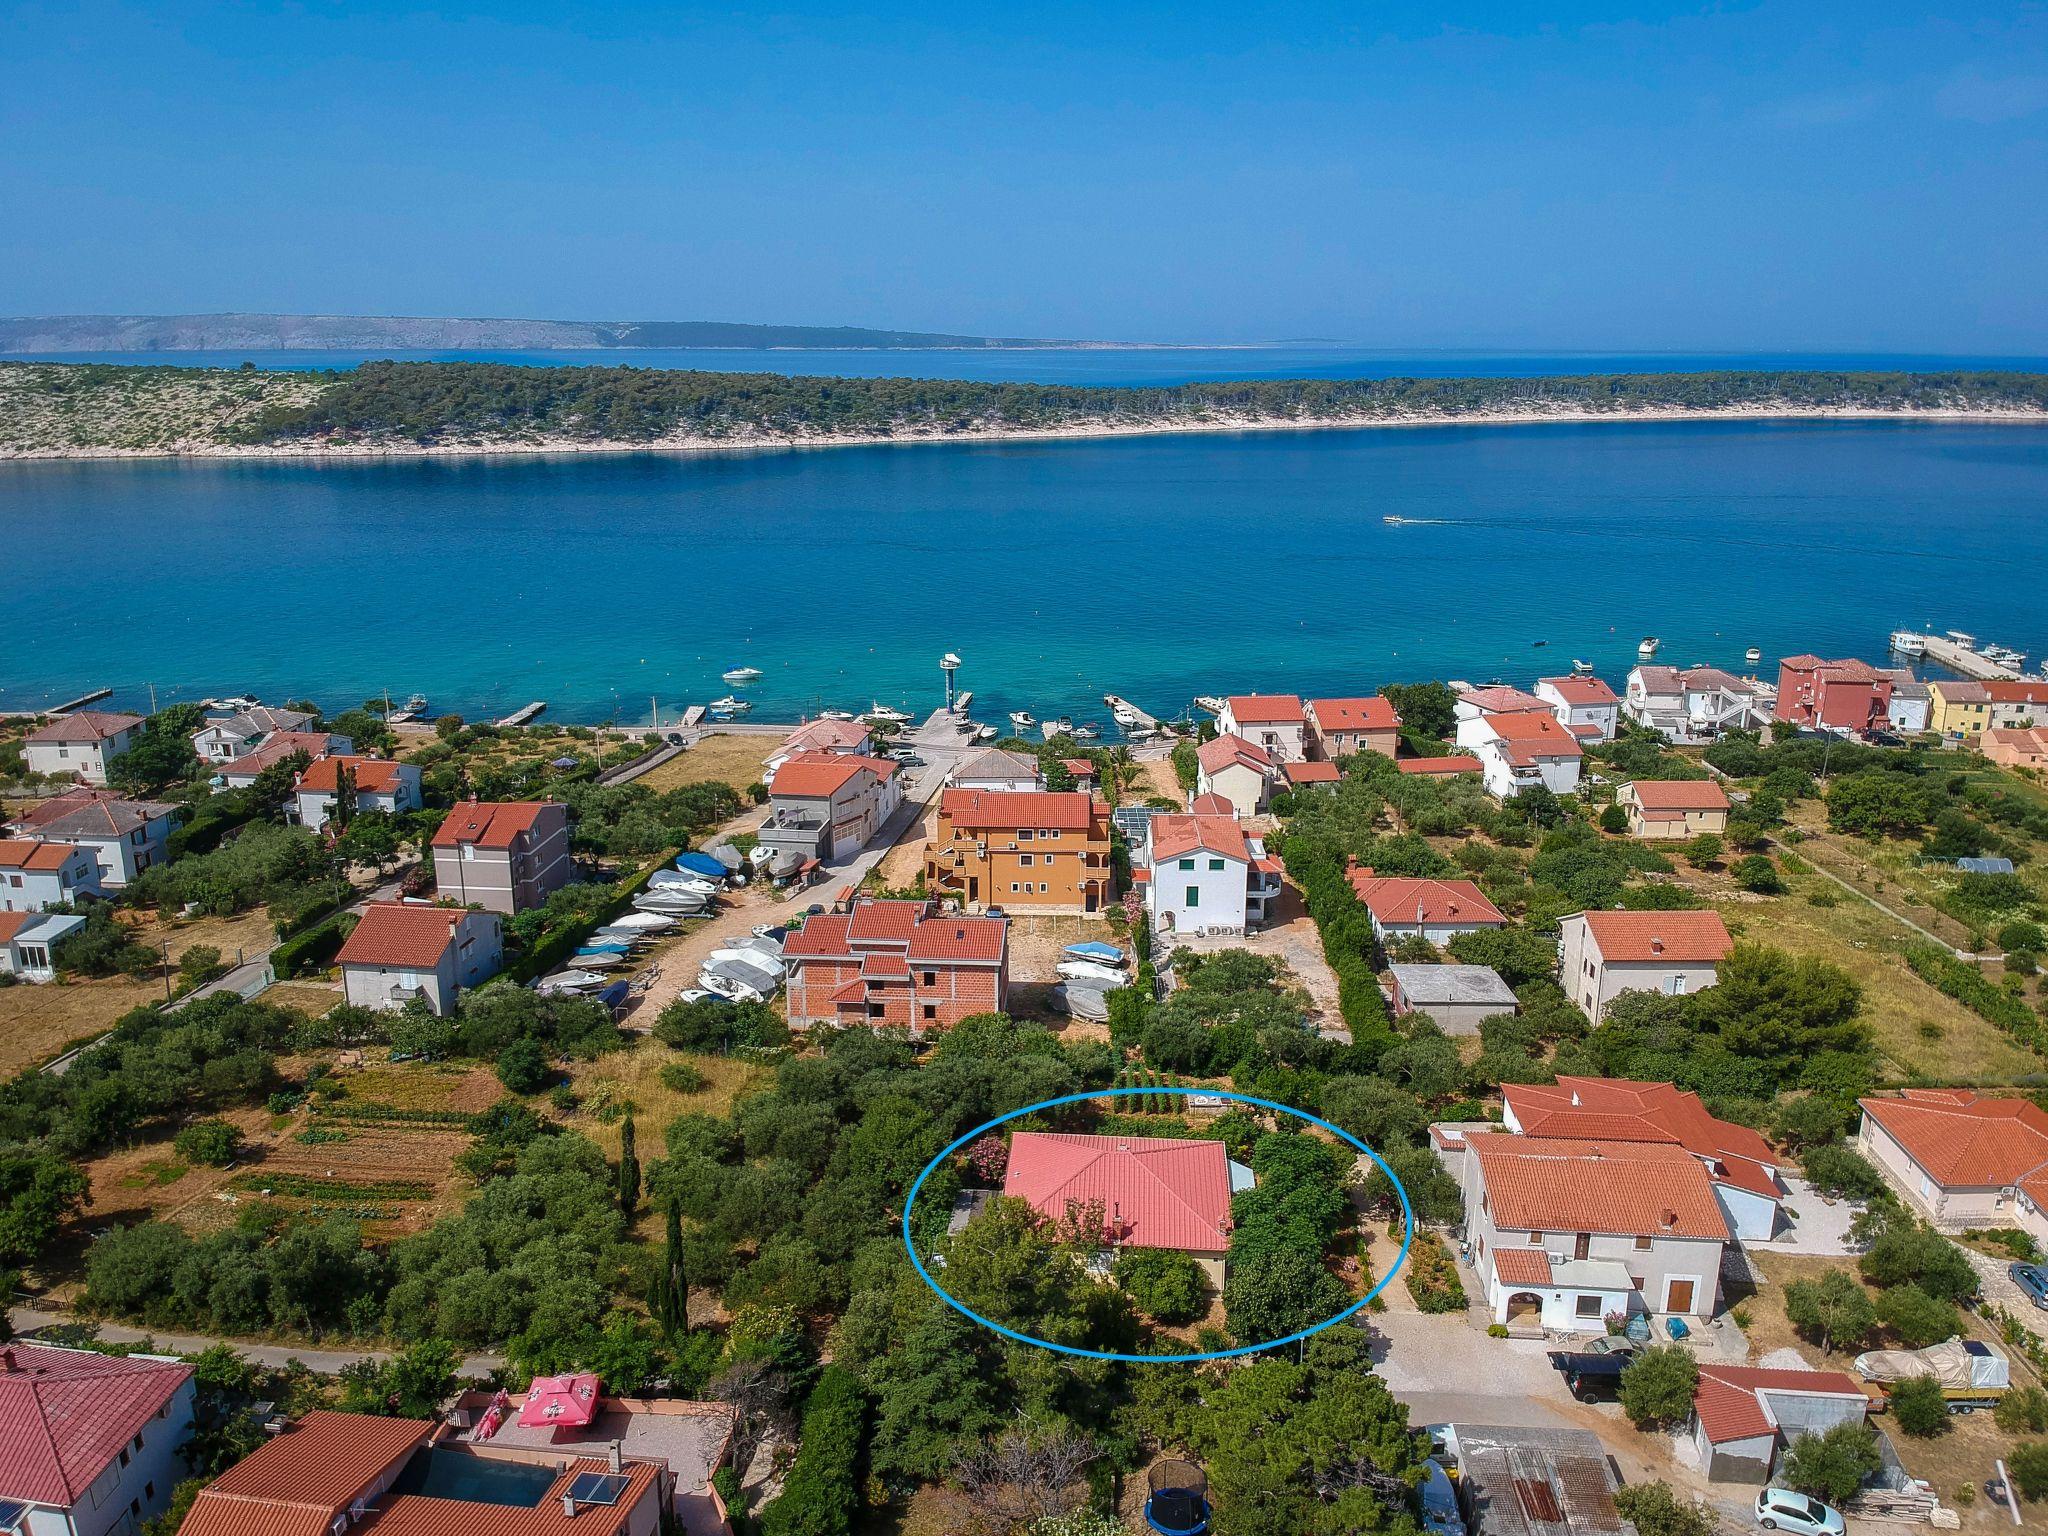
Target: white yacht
<point>986,733</point>
<point>732,704</point>
<point>1648,648</point>
<point>742,674</point>
<point>1909,642</point>
<point>1023,719</point>
<point>1753,655</point>
<point>884,713</point>
<point>1581,668</point>
<point>1062,726</point>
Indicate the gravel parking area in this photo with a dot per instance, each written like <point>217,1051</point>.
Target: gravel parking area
<point>1814,1225</point>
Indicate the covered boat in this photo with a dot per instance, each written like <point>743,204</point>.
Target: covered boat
<point>1096,950</point>
<point>702,864</point>
<point>1955,1363</point>
<point>644,922</point>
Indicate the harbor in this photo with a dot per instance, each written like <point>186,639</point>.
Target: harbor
<point>1958,651</point>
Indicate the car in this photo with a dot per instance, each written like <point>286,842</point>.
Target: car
<point>908,759</point>
<point>1616,1344</point>
<point>1590,1377</point>
<point>815,909</point>
<point>1781,1509</point>
<point>2033,1279</point>
<point>1439,1497</point>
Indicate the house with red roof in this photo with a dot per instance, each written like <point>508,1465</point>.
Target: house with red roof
<point>1739,1163</point>
<point>1695,704</point>
<point>1520,744</point>
<point>80,745</point>
<point>378,784</point>
<point>1963,1160</point>
<point>89,1443</point>
<point>996,768</point>
<point>1673,808</point>
<point>125,836</point>
<point>2016,748</point>
<point>35,875</point>
<point>1345,727</point>
<point>1604,954</point>
<point>846,738</point>
<point>243,771</point>
<point>1407,906</point>
<point>1566,1233</point>
<point>1232,768</point>
<point>1141,1191</point>
<point>1585,706</point>
<point>401,950</point>
<point>229,738</point>
<point>1207,874</point>
<point>503,856</point>
<point>824,805</point>
<point>1315,774</point>
<point>1046,850</point>
<point>1744,1416</point>
<point>1275,721</point>
<point>896,964</point>
<point>1847,697</point>
<point>2017,703</point>
<point>335,1473</point>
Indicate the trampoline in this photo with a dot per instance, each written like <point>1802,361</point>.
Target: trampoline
<point>1178,1502</point>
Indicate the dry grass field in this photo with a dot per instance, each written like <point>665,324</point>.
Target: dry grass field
<point>735,760</point>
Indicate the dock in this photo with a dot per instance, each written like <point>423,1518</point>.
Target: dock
<point>1120,705</point>
<point>1960,658</point>
<point>80,702</point>
<point>525,715</point>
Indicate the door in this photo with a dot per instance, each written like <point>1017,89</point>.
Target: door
<point>1583,1248</point>
<point>1678,1298</point>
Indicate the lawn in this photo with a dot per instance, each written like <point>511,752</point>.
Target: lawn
<point>735,759</point>
<point>632,1077</point>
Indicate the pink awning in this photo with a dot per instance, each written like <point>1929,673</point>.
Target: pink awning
<point>570,1401</point>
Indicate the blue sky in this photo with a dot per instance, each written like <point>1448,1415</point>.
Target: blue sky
<point>1857,176</point>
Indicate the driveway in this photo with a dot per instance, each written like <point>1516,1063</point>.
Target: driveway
<point>1815,1225</point>
<point>1998,1287</point>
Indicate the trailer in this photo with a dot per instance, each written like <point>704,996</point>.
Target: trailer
<point>1972,1374</point>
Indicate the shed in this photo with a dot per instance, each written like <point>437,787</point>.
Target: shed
<point>1457,997</point>
<point>1744,1415</point>
<point>1536,1482</point>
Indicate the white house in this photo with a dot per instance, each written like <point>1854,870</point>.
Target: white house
<point>823,804</point>
<point>92,1441</point>
<point>1520,749</point>
<point>993,768</point>
<point>1405,906</point>
<point>380,785</point>
<point>80,745</point>
<point>230,737</point>
<point>1275,721</point>
<point>28,943</point>
<point>847,738</point>
<point>1585,706</point>
<point>1911,704</point>
<point>1232,768</point>
<point>402,950</point>
<point>1208,875</point>
<point>1696,703</point>
<point>1604,954</point>
<point>124,836</point>
<point>37,875</point>
<point>246,769</point>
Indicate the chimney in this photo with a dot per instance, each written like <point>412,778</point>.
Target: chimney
<point>614,1459</point>
<point>7,1361</point>
<point>568,1506</point>
<point>1656,946</point>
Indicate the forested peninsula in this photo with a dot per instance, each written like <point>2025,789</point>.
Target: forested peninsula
<point>101,410</point>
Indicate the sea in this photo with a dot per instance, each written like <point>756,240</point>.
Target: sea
<point>1327,562</point>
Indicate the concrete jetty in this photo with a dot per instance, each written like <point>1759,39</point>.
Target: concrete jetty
<point>1120,705</point>
<point>526,714</point>
<point>1960,658</point>
<point>80,702</point>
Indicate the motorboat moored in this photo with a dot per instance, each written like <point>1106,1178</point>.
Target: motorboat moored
<point>1753,655</point>
<point>1023,719</point>
<point>742,674</point>
<point>1581,668</point>
<point>1909,642</point>
<point>886,715</point>
<point>1648,648</point>
<point>1064,726</point>
<point>732,704</point>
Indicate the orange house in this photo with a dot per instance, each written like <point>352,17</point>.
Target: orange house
<point>1040,849</point>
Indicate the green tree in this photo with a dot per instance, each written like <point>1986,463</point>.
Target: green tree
<point>1168,1286</point>
<point>1874,803</point>
<point>1831,1466</point>
<point>821,1495</point>
<point>410,1385</point>
<point>1916,1317</point>
<point>39,1188</point>
<point>343,811</point>
<point>1758,873</point>
<point>1835,1309</point>
<point>1279,1291</point>
<point>1658,1385</point>
<point>629,1169</point>
<point>1426,709</point>
<point>1920,1406</point>
<point>213,1142</point>
<point>1613,819</point>
<point>160,753</point>
<point>670,1303</point>
<point>1655,1510</point>
<point>1906,1251</point>
<point>2028,1465</point>
<point>523,1067</point>
<point>1704,849</point>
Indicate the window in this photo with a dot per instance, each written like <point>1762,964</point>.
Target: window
<point>1024,860</point>
<point>931,978</point>
<point>931,1010</point>
<point>124,1455</point>
<point>1587,1306</point>
<point>1046,859</point>
<point>1215,863</point>
<point>1043,888</point>
<point>1025,834</point>
<point>1014,886</point>
<point>1187,863</point>
<point>1642,1245</point>
<point>138,1442</point>
<point>1535,1239</point>
<point>1194,896</point>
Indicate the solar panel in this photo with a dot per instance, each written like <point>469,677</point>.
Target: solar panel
<point>13,1516</point>
<point>597,1488</point>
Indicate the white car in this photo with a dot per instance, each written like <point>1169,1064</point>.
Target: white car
<point>1781,1509</point>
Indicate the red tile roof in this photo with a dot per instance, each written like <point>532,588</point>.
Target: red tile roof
<point>1615,1109</point>
<point>12,923</point>
<point>91,813</point>
<point>275,750</point>
<point>827,736</point>
<point>1220,752</point>
<point>1312,773</point>
<point>1154,1192</point>
<point>1963,1140</point>
<point>1404,900</point>
<point>995,810</point>
<point>1453,762</point>
<point>2016,692</point>
<point>85,725</point>
<point>1581,691</point>
<point>821,775</point>
<point>404,934</point>
<point>1632,1189</point>
<point>1729,1407</point>
<point>296,1484</point>
<point>1504,701</point>
<point>490,823</point>
<point>374,775</point>
<point>1211,804</point>
<point>1521,1266</point>
<point>1679,794</point>
<point>963,940</point>
<point>1265,708</point>
<point>1374,714</point>
<point>20,853</point>
<point>1174,836</point>
<point>66,1413</point>
<point>1532,736</point>
<point>907,928</point>
<point>1699,938</point>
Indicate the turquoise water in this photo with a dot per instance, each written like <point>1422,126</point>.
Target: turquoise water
<point>1157,568</point>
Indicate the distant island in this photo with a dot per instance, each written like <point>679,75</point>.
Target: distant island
<point>62,410</point>
<point>45,334</point>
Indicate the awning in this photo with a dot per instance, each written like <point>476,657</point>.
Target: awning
<point>567,1401</point>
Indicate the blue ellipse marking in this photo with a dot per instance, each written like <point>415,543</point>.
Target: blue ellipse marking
<point>1407,1228</point>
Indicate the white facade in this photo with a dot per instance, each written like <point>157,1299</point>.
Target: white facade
<point>124,856</point>
<point>1593,981</point>
<point>29,940</point>
<point>82,759</point>
<point>312,808</point>
<point>1286,739</point>
<point>1238,782</point>
<point>1508,768</point>
<point>1697,704</point>
<point>1199,892</point>
<point>135,1486</point>
<point>474,954</point>
<point>1588,722</point>
<point>25,889</point>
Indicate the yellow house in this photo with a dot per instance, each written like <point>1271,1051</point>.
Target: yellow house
<point>1958,709</point>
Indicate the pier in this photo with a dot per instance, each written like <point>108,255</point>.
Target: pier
<point>525,715</point>
<point>1960,658</point>
<point>1118,705</point>
<point>80,702</point>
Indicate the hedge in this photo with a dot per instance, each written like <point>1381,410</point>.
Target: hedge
<point>561,945</point>
<point>1432,1277</point>
<point>313,948</point>
<point>822,1493</point>
<point>1966,984</point>
<point>1348,940</point>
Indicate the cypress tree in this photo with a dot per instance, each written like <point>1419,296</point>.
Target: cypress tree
<point>670,1303</point>
<point>629,1169</point>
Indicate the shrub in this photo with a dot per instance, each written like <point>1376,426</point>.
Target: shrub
<point>1834,1465</point>
<point>1834,1310</point>
<point>2028,1465</point>
<point>1755,872</point>
<point>1920,1406</point>
<point>1614,819</point>
<point>1835,1170</point>
<point>523,1066</point>
<point>1655,1510</point>
<point>1166,1285</point>
<point>820,1497</point>
<point>213,1142</point>
<point>199,965</point>
<point>1658,1386</point>
<point>2022,1410</point>
<point>1431,1276</point>
<point>681,1077</point>
<point>1916,1317</point>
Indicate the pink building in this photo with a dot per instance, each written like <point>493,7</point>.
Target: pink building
<point>1850,698</point>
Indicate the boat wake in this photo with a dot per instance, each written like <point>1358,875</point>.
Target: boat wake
<point>1418,522</point>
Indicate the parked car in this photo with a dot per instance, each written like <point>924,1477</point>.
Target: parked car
<point>1781,1509</point>
<point>1439,1497</point>
<point>1590,1377</point>
<point>1616,1344</point>
<point>2033,1279</point>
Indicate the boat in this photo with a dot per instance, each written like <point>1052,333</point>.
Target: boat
<point>1064,726</point>
<point>1539,642</point>
<point>835,714</point>
<point>234,704</point>
<point>1909,642</point>
<point>706,865</point>
<point>731,705</point>
<point>731,988</point>
<point>1087,971</point>
<point>742,674</point>
<point>671,902</point>
<point>885,714</point>
<point>572,980</point>
<point>1581,668</point>
<point>2004,656</point>
<point>1098,952</point>
<point>417,703</point>
<point>1088,732</point>
<point>986,733</point>
<point>644,922</point>
<point>1395,522</point>
<point>1210,701</point>
<point>1023,719</point>
<point>1648,648</point>
<point>687,884</point>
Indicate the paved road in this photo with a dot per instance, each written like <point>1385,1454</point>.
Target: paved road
<point>328,1362</point>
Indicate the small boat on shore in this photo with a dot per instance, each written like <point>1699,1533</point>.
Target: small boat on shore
<point>1648,648</point>
<point>986,733</point>
<point>1023,719</point>
<point>742,674</point>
